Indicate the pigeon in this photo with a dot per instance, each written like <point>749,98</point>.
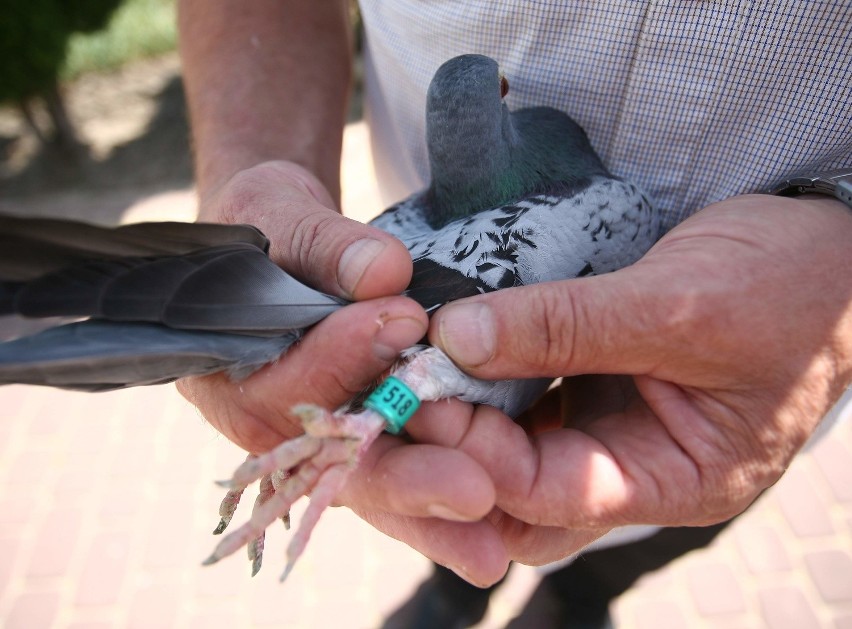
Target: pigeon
<point>515,198</point>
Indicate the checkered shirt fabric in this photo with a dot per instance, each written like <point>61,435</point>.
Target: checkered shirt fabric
<point>694,100</point>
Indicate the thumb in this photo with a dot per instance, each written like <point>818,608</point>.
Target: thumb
<point>308,237</point>
<point>602,324</point>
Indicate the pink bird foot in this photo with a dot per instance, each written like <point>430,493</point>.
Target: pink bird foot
<point>320,462</point>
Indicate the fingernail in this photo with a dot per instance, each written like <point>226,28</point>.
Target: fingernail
<point>460,572</point>
<point>445,513</point>
<point>396,335</point>
<point>355,260</point>
<point>467,333</point>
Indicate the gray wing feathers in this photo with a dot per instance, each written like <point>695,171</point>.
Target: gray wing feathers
<point>229,288</point>
<point>31,247</point>
<point>103,355</point>
<point>165,300</point>
<point>195,298</point>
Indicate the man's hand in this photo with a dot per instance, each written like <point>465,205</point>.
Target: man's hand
<point>736,330</point>
<point>343,354</point>
<point>340,357</point>
<point>267,88</point>
<point>399,490</point>
<point>309,238</point>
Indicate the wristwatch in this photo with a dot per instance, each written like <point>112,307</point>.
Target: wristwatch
<point>837,183</point>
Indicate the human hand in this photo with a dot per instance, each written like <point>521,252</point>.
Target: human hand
<point>309,237</point>
<point>242,114</point>
<point>736,330</point>
<point>343,354</point>
<point>339,357</point>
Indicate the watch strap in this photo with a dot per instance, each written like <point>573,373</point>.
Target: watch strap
<point>837,183</point>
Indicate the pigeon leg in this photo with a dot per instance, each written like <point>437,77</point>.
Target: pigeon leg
<point>278,478</point>
<point>285,456</point>
<point>268,486</point>
<point>321,461</point>
<point>255,547</point>
<point>328,486</point>
<point>301,482</point>
<point>227,509</point>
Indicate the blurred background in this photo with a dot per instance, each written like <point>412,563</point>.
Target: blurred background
<point>107,500</point>
<point>92,100</point>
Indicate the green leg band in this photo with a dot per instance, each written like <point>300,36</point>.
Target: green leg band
<point>394,401</point>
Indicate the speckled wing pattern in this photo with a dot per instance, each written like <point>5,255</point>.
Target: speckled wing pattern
<point>601,226</point>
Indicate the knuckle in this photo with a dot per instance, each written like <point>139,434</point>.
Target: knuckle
<point>728,488</point>
<point>252,194</point>
<point>554,325</point>
<point>309,240</point>
<point>240,198</point>
<point>344,385</point>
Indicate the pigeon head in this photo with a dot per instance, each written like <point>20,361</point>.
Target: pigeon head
<point>481,155</point>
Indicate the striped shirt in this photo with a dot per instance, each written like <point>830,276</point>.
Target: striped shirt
<point>694,100</point>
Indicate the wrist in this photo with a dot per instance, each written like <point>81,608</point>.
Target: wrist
<point>265,83</point>
<point>825,203</point>
<point>834,183</point>
<point>228,159</point>
<point>833,219</point>
<point>244,197</point>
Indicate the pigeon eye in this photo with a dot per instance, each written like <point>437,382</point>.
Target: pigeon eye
<point>504,86</point>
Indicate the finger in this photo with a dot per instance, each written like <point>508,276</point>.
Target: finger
<point>309,238</point>
<point>473,550</point>
<point>536,545</point>
<point>434,499</point>
<point>421,481</point>
<point>622,468</point>
<point>563,478</point>
<point>509,456</point>
<point>338,358</point>
<point>605,324</point>
<point>546,414</point>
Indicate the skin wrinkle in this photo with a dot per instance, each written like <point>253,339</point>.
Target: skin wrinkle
<point>629,458</point>
<point>532,471</point>
<point>557,349</point>
<point>604,510</point>
<point>631,474</point>
<point>691,442</point>
<point>242,198</point>
<point>478,421</point>
<point>574,316</point>
<point>229,211</point>
<point>537,463</point>
<point>306,233</point>
<point>522,537</point>
<point>516,531</point>
<point>719,481</point>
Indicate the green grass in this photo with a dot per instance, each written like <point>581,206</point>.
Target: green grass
<point>138,29</point>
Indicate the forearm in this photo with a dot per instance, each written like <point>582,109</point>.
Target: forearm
<point>265,80</point>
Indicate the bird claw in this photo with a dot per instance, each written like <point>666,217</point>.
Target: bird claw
<point>228,507</point>
<point>320,462</point>
<point>317,464</point>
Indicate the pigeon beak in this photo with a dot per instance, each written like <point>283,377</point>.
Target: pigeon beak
<point>504,84</point>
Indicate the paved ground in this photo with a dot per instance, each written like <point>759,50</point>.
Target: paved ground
<point>106,508</point>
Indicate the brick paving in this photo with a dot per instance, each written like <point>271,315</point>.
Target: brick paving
<point>107,504</point>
